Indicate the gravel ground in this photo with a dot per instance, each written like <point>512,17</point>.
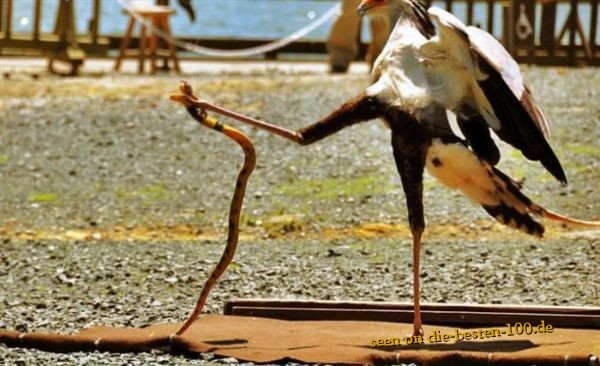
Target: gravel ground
<point>109,191</point>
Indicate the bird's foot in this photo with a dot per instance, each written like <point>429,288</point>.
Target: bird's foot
<point>418,327</point>
<point>186,96</point>
<point>418,332</point>
<point>190,101</point>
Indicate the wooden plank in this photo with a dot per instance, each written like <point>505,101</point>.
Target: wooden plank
<point>95,21</point>
<point>594,26</point>
<point>507,28</point>
<point>561,57</point>
<point>466,319</point>
<point>548,30</point>
<point>572,30</point>
<point>2,12</point>
<point>470,11</point>
<point>593,310</point>
<point>24,45</point>
<point>584,42</point>
<point>440,314</point>
<point>490,16</point>
<point>8,17</point>
<point>37,19</point>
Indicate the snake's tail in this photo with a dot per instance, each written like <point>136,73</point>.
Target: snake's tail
<point>200,304</point>
<point>567,220</point>
<point>199,114</point>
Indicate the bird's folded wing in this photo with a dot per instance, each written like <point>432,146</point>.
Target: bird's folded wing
<point>518,128</point>
<point>520,121</point>
<point>488,48</point>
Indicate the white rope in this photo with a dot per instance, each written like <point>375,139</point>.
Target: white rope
<point>246,52</point>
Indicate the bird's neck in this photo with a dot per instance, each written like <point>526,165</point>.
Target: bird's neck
<point>397,13</point>
<point>415,13</point>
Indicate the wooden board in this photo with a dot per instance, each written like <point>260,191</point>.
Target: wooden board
<point>464,315</point>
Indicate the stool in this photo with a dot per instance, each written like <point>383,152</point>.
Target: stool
<point>158,16</point>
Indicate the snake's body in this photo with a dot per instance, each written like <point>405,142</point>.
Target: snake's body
<point>236,201</point>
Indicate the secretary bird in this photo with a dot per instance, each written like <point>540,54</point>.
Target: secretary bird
<point>433,63</point>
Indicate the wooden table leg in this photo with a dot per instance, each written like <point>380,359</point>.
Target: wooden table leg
<point>125,43</point>
<point>172,47</point>
<point>154,43</point>
<point>142,47</point>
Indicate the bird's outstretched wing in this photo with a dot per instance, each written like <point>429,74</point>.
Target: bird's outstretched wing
<point>514,115</point>
<point>487,47</point>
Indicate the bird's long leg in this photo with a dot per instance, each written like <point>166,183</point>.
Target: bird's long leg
<point>236,202</point>
<point>409,155</point>
<point>358,109</point>
<point>417,322</point>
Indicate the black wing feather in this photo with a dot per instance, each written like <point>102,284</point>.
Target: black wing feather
<point>477,133</point>
<point>517,126</point>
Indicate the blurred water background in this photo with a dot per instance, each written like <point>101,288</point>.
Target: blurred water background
<point>269,19</point>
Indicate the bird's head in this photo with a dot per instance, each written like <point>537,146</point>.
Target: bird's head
<point>375,8</point>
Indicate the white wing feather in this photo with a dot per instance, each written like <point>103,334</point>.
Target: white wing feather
<point>488,47</point>
<point>450,56</point>
<point>467,46</point>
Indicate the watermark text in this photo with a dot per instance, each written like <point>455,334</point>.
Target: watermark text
<point>466,335</point>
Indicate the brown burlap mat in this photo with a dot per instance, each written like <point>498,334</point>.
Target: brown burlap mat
<point>335,342</point>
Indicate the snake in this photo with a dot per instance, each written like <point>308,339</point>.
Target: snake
<point>195,109</point>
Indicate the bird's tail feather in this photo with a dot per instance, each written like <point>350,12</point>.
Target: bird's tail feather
<point>458,167</point>
<point>510,206</point>
<point>511,217</point>
<point>568,220</point>
<point>508,213</point>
